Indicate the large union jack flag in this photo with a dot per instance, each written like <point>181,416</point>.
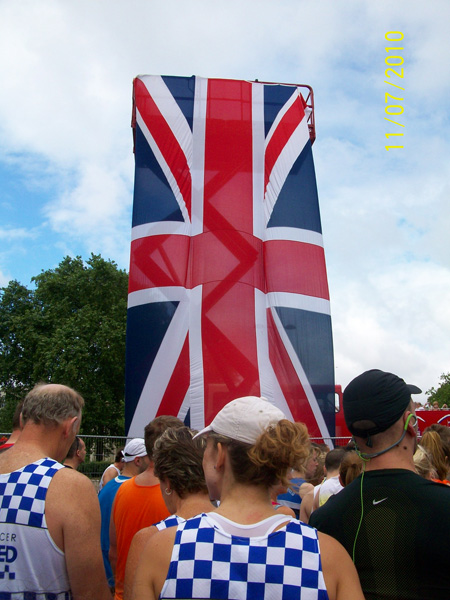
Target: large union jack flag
<point>228,292</point>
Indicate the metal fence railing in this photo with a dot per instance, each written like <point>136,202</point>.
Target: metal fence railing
<point>101,450</point>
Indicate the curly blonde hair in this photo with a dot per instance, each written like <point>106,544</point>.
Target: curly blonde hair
<point>265,463</point>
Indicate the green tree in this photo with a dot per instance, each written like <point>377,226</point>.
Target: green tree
<point>441,395</point>
<point>70,329</point>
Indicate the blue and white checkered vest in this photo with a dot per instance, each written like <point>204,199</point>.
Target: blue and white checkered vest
<point>172,521</point>
<point>207,562</point>
<point>32,567</point>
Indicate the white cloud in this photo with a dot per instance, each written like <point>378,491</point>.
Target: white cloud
<point>4,279</point>
<point>396,320</point>
<point>96,211</point>
<point>9,235</point>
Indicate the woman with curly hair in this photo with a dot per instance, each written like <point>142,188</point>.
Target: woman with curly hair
<point>244,548</point>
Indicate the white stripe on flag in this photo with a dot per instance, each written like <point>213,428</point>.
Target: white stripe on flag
<point>198,163</point>
<point>301,375</point>
<point>294,234</point>
<point>269,385</point>
<point>291,300</point>
<point>171,112</point>
<point>162,369</point>
<point>160,228</point>
<point>283,165</point>
<point>258,159</point>
<point>196,389</point>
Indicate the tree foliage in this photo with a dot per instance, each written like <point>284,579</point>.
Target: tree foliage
<point>441,395</point>
<point>69,329</point>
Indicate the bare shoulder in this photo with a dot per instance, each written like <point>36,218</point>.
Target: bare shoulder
<point>72,512</point>
<point>67,481</point>
<point>71,502</point>
<point>339,572</point>
<point>329,544</point>
<point>160,539</point>
<point>138,543</point>
<point>143,535</point>
<point>153,565</point>
<point>285,510</point>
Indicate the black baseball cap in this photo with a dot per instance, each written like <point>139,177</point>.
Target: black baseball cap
<point>374,401</point>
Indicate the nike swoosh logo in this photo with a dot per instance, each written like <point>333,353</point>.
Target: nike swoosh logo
<point>375,502</point>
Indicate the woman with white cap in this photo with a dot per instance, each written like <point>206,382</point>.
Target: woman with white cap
<point>245,549</point>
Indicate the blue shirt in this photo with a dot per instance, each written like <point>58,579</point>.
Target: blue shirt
<point>292,498</point>
<point>106,498</point>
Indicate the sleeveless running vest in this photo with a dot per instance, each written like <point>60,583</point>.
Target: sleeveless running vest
<point>172,521</point>
<point>207,562</point>
<point>32,567</point>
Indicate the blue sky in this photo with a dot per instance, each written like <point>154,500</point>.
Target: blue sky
<point>66,163</point>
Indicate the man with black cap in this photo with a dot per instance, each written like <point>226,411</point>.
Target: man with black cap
<point>393,523</point>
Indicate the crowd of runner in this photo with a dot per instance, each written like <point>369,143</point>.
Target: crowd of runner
<point>246,508</point>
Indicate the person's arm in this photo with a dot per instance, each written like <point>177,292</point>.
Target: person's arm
<point>153,566</point>
<point>341,577</point>
<point>304,489</point>
<point>112,555</point>
<point>315,504</point>
<point>73,518</point>
<point>109,474</point>
<point>138,543</point>
<point>306,506</point>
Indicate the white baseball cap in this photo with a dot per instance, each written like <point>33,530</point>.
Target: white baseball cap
<point>244,419</point>
<point>133,448</point>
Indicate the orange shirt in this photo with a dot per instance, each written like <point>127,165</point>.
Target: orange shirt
<point>135,507</point>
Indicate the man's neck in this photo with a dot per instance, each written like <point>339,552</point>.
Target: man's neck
<point>14,436</point>
<point>72,463</point>
<point>331,474</point>
<point>397,458</point>
<point>129,470</point>
<point>36,442</point>
<point>148,477</point>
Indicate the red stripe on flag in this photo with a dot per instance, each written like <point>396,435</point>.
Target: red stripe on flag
<point>228,315</point>
<point>288,379</point>
<point>178,385</point>
<point>295,267</point>
<point>159,261</point>
<point>281,135</point>
<point>175,260</point>
<point>229,346</point>
<point>165,139</point>
<point>228,256</point>
<point>228,157</point>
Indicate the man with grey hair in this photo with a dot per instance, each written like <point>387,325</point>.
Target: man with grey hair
<point>49,515</point>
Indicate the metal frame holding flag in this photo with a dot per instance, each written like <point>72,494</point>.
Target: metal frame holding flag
<point>228,292</point>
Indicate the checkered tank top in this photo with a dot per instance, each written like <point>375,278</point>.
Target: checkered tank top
<point>208,562</point>
<point>172,521</point>
<point>32,567</point>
